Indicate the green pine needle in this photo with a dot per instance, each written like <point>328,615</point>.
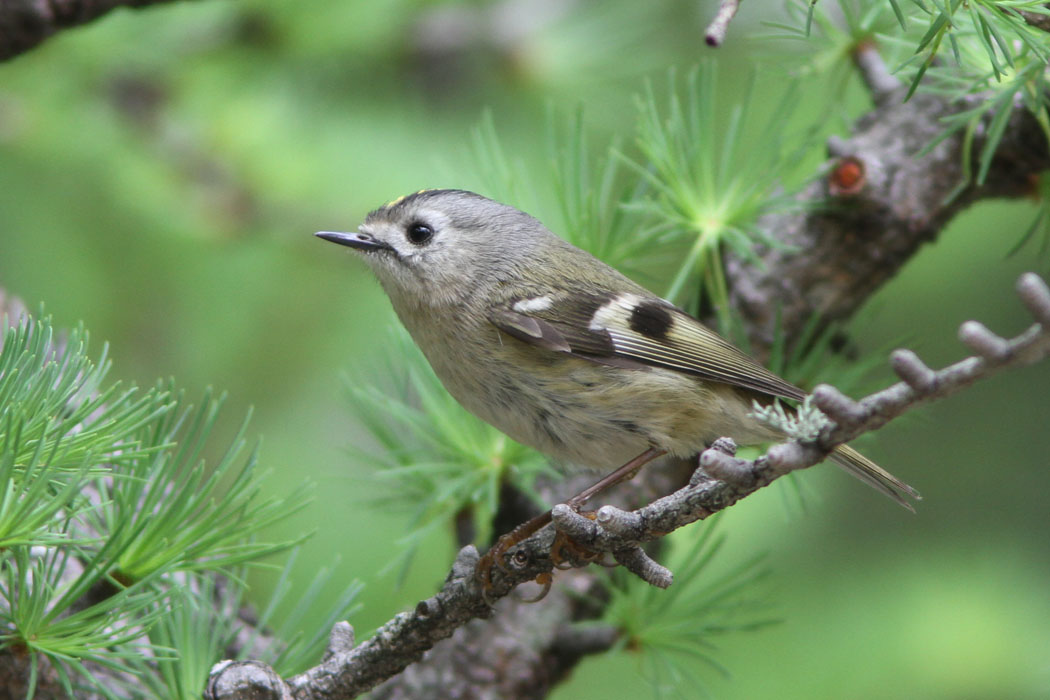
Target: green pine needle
<point>41,611</point>
<point>592,196</point>
<point>177,513</point>
<point>433,456</point>
<point>83,579</point>
<point>50,391</point>
<point>302,638</point>
<point>674,628</point>
<point>701,189</point>
<point>500,174</point>
<point>197,628</point>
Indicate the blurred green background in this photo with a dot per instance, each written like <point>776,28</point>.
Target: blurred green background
<point>162,173</point>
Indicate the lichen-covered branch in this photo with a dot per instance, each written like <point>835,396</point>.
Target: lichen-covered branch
<point>719,482</point>
<point>26,23</point>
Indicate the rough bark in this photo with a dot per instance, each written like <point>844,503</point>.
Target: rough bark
<point>861,233</point>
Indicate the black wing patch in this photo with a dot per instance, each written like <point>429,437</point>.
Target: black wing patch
<point>651,319</point>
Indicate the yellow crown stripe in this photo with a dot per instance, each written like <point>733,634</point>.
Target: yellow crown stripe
<point>395,202</point>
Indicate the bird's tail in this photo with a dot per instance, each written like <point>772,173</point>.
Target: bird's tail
<point>875,476</point>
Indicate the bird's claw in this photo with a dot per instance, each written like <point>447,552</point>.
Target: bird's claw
<point>567,553</point>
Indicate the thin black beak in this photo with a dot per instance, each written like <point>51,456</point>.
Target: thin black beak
<point>361,241</point>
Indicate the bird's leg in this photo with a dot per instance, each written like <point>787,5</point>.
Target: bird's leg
<point>622,474</point>
<point>494,556</point>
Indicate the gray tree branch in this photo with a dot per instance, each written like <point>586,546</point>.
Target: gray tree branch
<point>26,23</point>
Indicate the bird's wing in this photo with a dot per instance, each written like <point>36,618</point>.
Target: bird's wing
<point>632,330</point>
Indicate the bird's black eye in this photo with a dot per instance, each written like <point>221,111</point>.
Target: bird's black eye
<point>419,233</point>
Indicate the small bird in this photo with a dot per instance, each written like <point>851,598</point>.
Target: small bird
<point>559,350</point>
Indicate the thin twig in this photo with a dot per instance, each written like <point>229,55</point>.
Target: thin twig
<point>716,31</point>
<point>877,77</point>
<point>1039,20</point>
<point>26,23</point>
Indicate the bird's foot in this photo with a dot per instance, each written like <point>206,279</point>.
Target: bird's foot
<point>496,556</point>
<point>567,553</point>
